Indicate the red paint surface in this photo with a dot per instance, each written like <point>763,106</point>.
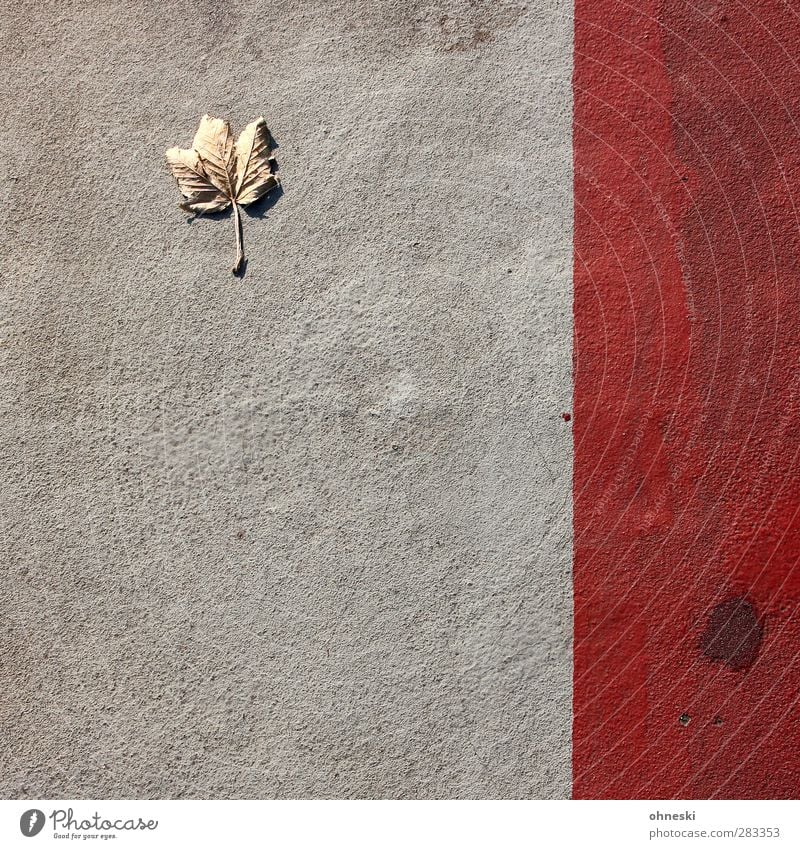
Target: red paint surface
<point>687,395</point>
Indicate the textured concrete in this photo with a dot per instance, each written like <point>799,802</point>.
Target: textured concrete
<point>307,532</point>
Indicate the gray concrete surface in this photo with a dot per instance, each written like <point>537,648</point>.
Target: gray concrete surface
<point>304,533</point>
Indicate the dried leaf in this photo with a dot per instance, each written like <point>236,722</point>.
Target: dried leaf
<point>213,142</point>
<point>202,195</point>
<point>216,172</point>
<point>254,163</point>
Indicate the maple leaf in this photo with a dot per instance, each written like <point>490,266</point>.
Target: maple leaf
<point>216,172</point>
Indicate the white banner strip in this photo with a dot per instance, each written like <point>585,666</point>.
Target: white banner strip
<point>373,824</point>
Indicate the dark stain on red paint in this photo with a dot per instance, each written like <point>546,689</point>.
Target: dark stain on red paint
<point>733,634</point>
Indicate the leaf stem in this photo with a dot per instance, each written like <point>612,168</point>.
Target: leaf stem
<point>237,223</point>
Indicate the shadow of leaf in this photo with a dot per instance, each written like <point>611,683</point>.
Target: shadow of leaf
<point>262,206</point>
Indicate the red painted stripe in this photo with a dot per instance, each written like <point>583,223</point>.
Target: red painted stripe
<point>687,399</point>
